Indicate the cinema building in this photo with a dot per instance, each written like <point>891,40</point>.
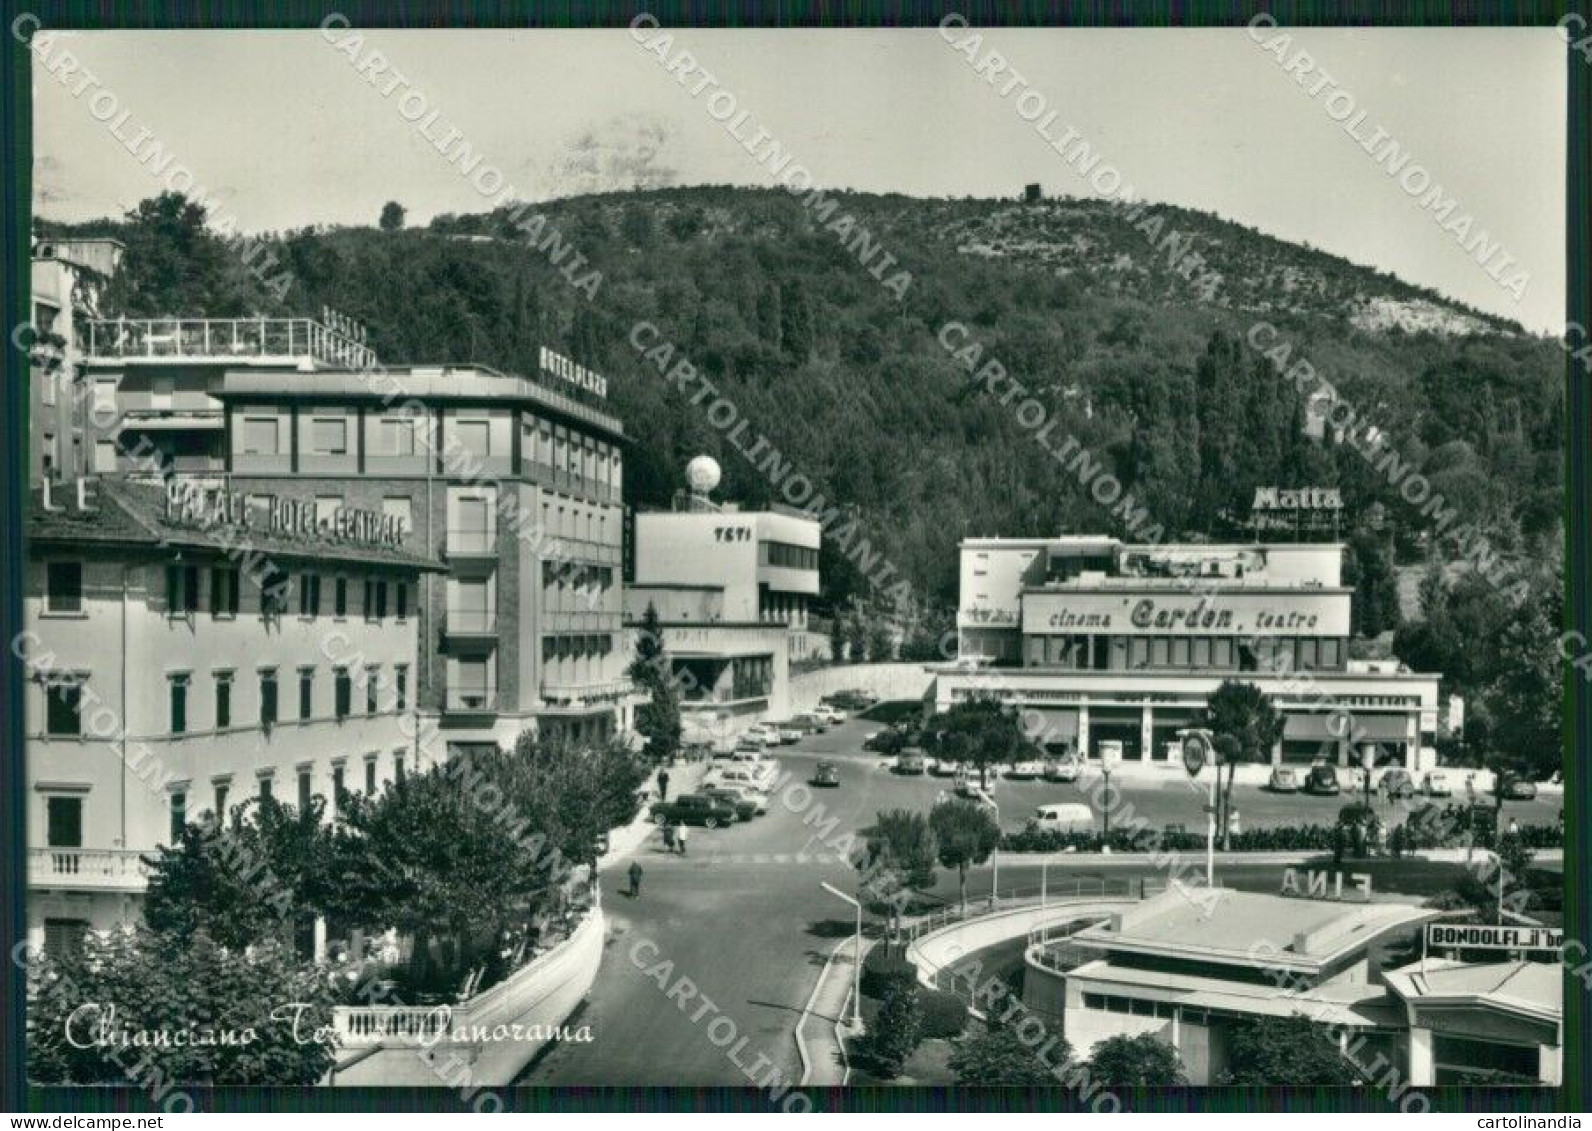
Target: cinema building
<point>513,482</point>
<point>1100,641</point>
<point>731,589</point>
<point>181,658</point>
<point>1188,965</point>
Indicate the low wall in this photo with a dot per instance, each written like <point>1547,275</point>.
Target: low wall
<point>887,681</point>
<point>540,997</point>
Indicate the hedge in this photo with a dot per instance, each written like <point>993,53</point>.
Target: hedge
<point>944,1014</point>
<point>1282,838</point>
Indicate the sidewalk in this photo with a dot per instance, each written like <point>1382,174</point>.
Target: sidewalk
<point>683,778</point>
<point>819,1041</point>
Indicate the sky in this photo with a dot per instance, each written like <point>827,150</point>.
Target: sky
<point>282,130</point>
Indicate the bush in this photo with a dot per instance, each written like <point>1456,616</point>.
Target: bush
<point>944,1014</point>
<point>897,1030</point>
<point>1283,838</point>
<point>885,967</point>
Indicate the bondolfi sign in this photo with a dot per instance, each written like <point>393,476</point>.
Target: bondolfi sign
<point>1482,936</point>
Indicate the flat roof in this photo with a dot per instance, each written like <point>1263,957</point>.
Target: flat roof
<point>1074,540</point>
<point>1254,929</point>
<point>1532,988</point>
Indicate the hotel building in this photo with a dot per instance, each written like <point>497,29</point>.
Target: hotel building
<point>1187,965</point>
<point>732,590</point>
<point>1095,640</point>
<point>514,482</point>
<point>181,658</point>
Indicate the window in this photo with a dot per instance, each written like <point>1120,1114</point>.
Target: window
<point>52,453</point>
<point>310,595</point>
<point>160,390</point>
<point>375,599</point>
<point>223,700</point>
<point>268,714</point>
<point>337,787</point>
<point>306,692</point>
<point>105,455</point>
<point>395,437</point>
<point>63,713</point>
<point>401,508</point>
<point>63,591</point>
<point>370,774</point>
<point>182,589</point>
<point>64,821</point>
<point>343,693</point>
<point>475,524</point>
<point>178,687</point>
<point>305,791</point>
<point>400,677</point>
<point>104,396</point>
<point>372,686</point>
<point>261,436</point>
<point>401,599</point>
<point>398,766</point>
<point>179,815</point>
<point>267,785</point>
<point>223,592</point>
<point>63,938</point>
<point>274,589</point>
<point>473,436</point>
<point>329,436</point>
<point>223,787</point>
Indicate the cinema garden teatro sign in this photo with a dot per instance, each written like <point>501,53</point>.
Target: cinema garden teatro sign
<point>1318,613</point>
<point>210,507</point>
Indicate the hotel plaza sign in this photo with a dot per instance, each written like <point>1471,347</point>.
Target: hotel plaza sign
<point>558,366</point>
<point>1236,613</point>
<point>209,508</point>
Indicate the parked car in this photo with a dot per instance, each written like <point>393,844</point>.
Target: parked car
<point>1517,788</point>
<point>910,762</point>
<point>1061,769</point>
<point>747,741</point>
<point>1284,779</point>
<point>694,809</point>
<point>789,732</point>
<point>1026,771</point>
<point>1322,780</point>
<point>826,774</point>
<point>745,808</point>
<point>698,752</point>
<point>1068,816</point>
<point>968,784</point>
<point>1397,783</point>
<point>757,797</point>
<point>766,733</point>
<point>1436,784</point>
<point>830,712</point>
<point>743,776</point>
<point>943,767</point>
<point>810,723</point>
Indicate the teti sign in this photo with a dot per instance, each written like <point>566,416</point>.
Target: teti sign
<point>1481,936</point>
<point>561,367</point>
<point>1326,885</point>
<point>208,508</point>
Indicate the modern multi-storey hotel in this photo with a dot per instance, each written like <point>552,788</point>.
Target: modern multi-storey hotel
<point>513,481</point>
<point>183,657</point>
<point>1100,641</point>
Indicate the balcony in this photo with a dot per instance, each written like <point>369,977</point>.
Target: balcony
<point>586,694</point>
<point>470,622</point>
<point>274,341</point>
<point>86,869</point>
<point>469,701</point>
<point>472,542</point>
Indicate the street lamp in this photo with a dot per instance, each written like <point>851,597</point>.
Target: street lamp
<point>856,966</point>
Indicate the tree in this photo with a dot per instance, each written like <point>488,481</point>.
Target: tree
<point>880,646</point>
<point>982,733</point>
<point>856,640</point>
<point>158,982</point>
<point>658,719</point>
<point>392,216</point>
<point>243,882</point>
<point>837,639</point>
<point>965,833</point>
<point>998,1056</point>
<point>1284,1051</point>
<point>1144,1061</point>
<point>898,857</point>
<point>1242,713</point>
<point>1525,699</point>
<point>897,1028</point>
<point>1375,607</point>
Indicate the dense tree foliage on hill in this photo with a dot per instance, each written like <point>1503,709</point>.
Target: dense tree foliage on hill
<point>853,384</point>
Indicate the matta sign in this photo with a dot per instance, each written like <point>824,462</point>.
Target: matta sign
<point>1483,936</point>
<point>1300,499</point>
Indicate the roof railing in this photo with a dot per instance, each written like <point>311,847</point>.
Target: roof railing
<point>224,339</point>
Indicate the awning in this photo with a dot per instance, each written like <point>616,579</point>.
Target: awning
<point>1309,728</point>
<point>1378,728</point>
<point>1357,726</point>
<point>176,422</point>
<point>1049,725</point>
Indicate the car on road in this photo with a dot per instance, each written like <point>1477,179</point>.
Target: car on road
<point>830,712</point>
<point>1069,816</point>
<point>1397,783</point>
<point>694,809</point>
<point>1322,780</point>
<point>746,776</point>
<point>1061,769</point>
<point>745,808</point>
<point>1284,779</point>
<point>1516,788</point>
<point>1435,784</point>
<point>767,733</point>
<point>826,774</point>
<point>757,797</point>
<point>788,732</point>
<point>810,723</point>
<point>909,762</point>
<point>1026,770</point>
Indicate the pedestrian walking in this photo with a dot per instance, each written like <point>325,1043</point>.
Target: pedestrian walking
<point>635,879</point>
<point>1514,827</point>
<point>663,785</point>
<point>668,836</point>
<point>680,836</point>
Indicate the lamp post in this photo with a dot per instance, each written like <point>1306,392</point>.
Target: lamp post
<point>856,965</point>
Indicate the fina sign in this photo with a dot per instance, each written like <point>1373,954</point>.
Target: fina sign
<point>1326,885</point>
<point>1480,936</point>
<point>557,365</point>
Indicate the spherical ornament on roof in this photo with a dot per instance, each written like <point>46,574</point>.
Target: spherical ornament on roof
<point>703,474</point>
